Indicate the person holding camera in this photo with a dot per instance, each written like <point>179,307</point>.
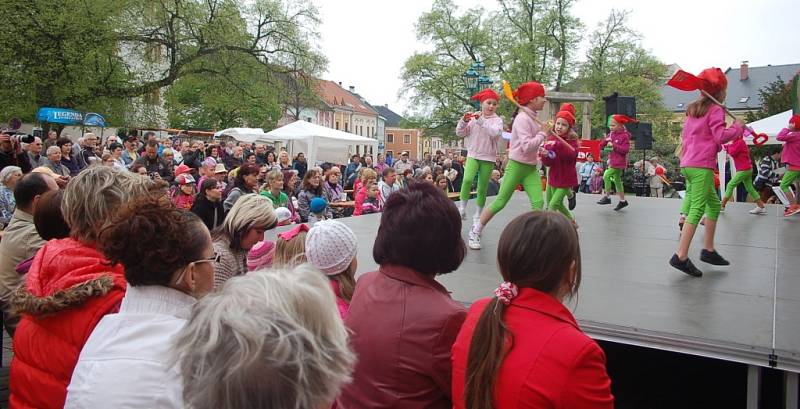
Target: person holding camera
<point>11,150</point>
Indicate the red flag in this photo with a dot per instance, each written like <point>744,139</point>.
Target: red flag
<point>684,81</point>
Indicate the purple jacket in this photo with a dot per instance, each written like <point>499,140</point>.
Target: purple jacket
<point>703,137</point>
<point>482,135</point>
<point>740,153</point>
<point>403,325</point>
<point>791,149</point>
<point>620,146</point>
<point>526,138</point>
<point>562,166</point>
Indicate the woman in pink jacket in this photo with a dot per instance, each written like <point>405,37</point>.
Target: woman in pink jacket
<point>483,130</point>
<point>523,348</point>
<point>791,156</point>
<point>704,133</point>
<point>740,153</point>
<point>523,156</point>
<point>619,140</point>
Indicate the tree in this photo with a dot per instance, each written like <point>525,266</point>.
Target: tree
<point>112,50</point>
<point>776,97</point>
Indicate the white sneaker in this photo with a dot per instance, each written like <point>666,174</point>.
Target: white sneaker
<point>758,210</point>
<point>474,240</point>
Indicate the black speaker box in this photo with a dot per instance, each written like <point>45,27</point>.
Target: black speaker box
<point>643,134</point>
<point>616,104</point>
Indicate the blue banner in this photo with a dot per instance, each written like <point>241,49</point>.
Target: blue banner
<point>92,119</point>
<point>59,116</point>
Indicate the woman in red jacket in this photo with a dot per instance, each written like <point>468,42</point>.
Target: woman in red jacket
<point>523,348</point>
<point>69,288</point>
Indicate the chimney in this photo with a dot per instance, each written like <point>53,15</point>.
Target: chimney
<point>743,72</point>
<point>340,83</point>
<point>352,89</point>
<point>386,106</point>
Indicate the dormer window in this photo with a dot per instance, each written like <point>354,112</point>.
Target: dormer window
<point>743,100</point>
<point>680,105</point>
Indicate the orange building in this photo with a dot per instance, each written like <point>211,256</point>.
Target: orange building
<point>400,140</point>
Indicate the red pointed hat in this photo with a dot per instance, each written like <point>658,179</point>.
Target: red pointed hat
<point>568,107</point>
<point>714,80</point>
<point>795,121</point>
<point>622,119</point>
<point>528,91</point>
<point>488,93</point>
<point>567,116</point>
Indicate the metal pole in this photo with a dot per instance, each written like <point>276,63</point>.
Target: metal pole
<point>753,386</point>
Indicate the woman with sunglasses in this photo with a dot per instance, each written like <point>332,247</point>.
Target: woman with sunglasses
<point>126,358</point>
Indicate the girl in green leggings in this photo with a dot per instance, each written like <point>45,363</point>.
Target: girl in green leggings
<point>619,141</point>
<point>560,155</point>
<point>791,156</point>
<point>740,153</point>
<point>526,138</point>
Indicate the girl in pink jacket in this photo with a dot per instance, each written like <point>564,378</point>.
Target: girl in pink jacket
<point>560,155</point>
<point>619,141</point>
<point>523,158</point>
<point>791,156</point>
<point>483,130</point>
<point>740,153</point>
<point>704,133</point>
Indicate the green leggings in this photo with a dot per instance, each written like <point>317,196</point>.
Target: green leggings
<point>701,195</point>
<point>746,177</point>
<point>613,175</point>
<point>484,170</point>
<point>516,173</point>
<point>788,178</point>
<point>555,200</point>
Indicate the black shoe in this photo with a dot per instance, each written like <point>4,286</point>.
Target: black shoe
<point>604,200</point>
<point>685,266</point>
<point>712,257</point>
<point>621,205</point>
<point>572,201</point>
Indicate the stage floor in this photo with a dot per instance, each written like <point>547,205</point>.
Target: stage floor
<point>748,312</point>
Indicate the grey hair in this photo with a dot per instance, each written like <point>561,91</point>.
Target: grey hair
<point>268,339</point>
<point>95,194</point>
<point>8,171</point>
<point>53,149</point>
<point>249,211</point>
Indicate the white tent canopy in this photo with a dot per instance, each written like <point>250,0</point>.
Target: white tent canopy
<point>319,143</point>
<point>248,135</point>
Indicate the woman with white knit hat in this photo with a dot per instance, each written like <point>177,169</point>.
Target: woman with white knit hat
<point>331,247</point>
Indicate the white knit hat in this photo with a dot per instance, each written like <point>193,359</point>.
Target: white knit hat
<point>331,246</point>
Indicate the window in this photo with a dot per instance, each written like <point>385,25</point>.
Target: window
<point>407,139</point>
<point>337,125</point>
<point>389,138</point>
<point>308,119</point>
<point>743,100</point>
<point>346,125</point>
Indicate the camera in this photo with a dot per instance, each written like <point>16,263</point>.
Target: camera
<point>21,137</point>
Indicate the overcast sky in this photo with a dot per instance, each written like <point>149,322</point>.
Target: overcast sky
<point>368,41</point>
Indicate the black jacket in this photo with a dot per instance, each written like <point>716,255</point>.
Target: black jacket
<point>206,210</point>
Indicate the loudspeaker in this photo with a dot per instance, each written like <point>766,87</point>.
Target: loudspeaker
<point>615,104</point>
<point>643,132</point>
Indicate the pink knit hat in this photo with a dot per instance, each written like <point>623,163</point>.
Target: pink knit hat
<point>261,255</point>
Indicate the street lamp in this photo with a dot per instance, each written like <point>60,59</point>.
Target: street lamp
<point>475,79</point>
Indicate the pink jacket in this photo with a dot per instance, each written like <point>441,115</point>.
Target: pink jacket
<point>740,153</point>
<point>562,167</point>
<point>526,138</point>
<point>703,137</point>
<point>361,196</point>
<point>791,150</point>
<point>620,146</point>
<point>341,304</point>
<point>482,135</point>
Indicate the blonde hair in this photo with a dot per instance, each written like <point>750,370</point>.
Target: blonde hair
<point>292,252</point>
<point>366,174</point>
<point>95,194</point>
<point>347,281</point>
<point>268,339</point>
<point>251,211</point>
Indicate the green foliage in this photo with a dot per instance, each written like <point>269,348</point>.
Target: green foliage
<point>776,97</point>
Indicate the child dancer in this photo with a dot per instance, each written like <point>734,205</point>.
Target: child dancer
<point>526,138</point>
<point>332,247</point>
<point>740,153</point>
<point>703,134</point>
<point>791,155</point>
<point>619,140</point>
<point>483,130</point>
<point>559,153</point>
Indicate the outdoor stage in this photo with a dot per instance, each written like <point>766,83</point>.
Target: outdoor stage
<point>748,312</point>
